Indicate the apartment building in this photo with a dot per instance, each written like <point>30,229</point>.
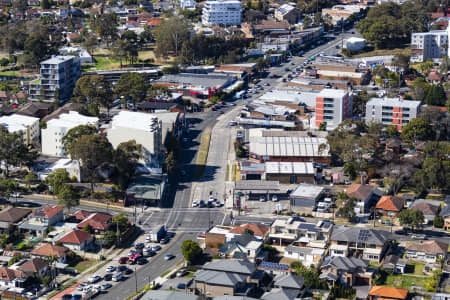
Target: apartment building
<point>145,129</point>
<point>187,4</point>
<point>58,76</point>
<point>391,111</point>
<point>332,107</point>
<point>52,136</point>
<point>222,12</point>
<point>27,127</point>
<point>426,45</point>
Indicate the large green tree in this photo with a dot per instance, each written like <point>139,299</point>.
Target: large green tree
<point>412,218</point>
<point>93,91</point>
<point>132,86</point>
<point>74,133</point>
<point>191,251</point>
<point>106,27</point>
<point>125,159</point>
<point>94,153</point>
<point>417,129</point>
<point>170,35</point>
<point>57,179</point>
<point>68,197</point>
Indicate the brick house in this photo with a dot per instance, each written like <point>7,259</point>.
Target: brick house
<point>387,292</point>
<point>349,271</point>
<point>49,250</point>
<point>426,251</point>
<point>390,206</point>
<point>77,240</point>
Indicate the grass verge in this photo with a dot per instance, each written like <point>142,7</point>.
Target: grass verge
<point>233,173</point>
<point>202,156</point>
<point>82,266</point>
<point>61,288</point>
<point>378,52</point>
<point>228,172</point>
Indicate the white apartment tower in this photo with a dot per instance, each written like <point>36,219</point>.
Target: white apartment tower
<point>222,12</point>
<point>426,45</point>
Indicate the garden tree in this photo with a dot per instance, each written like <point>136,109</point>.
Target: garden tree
<point>57,179</point>
<point>13,151</point>
<point>323,126</point>
<point>131,86</point>
<point>35,50</point>
<point>310,276</point>
<point>88,228</point>
<point>438,222</point>
<point>359,102</point>
<point>191,251</point>
<point>424,67</point>
<point>145,37</point>
<point>392,131</point>
<point>130,36</point>
<point>125,159</point>
<point>120,221</point>
<point>93,91</point>
<point>74,133</point>
<point>390,25</point>
<point>417,129</point>
<point>170,164</point>
<point>170,35</point>
<point>94,152</point>
<point>7,186</point>
<point>68,196</point>
<point>30,178</point>
<point>106,27</point>
<point>172,144</point>
<point>120,50</point>
<point>401,61</point>
<point>432,283</point>
<point>439,121</point>
<point>348,210</point>
<point>437,149</point>
<point>109,238</point>
<point>437,173</point>
<point>436,95</point>
<point>90,43</point>
<point>411,217</point>
<point>307,22</point>
<point>158,91</point>
<point>20,5</point>
<point>420,88</point>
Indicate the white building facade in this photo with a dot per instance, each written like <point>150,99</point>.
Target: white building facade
<point>52,136</point>
<point>429,45</point>
<point>26,126</point>
<point>225,12</point>
<point>187,4</point>
<point>391,111</point>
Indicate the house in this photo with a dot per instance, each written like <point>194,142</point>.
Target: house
<point>242,246</point>
<point>12,278</point>
<point>350,271</point>
<point>347,240</point>
<point>49,250</point>
<point>387,292</point>
<point>226,277</point>
<point>288,13</point>
<point>429,208</point>
<point>307,256</point>
<point>426,251</point>
<point>76,240</point>
<point>168,295</point>
<point>35,267</point>
<point>280,294</point>
<point>258,231</point>
<point>445,213</point>
<point>390,205</point>
<point>36,109</point>
<point>10,217</point>
<point>365,195</point>
<point>395,263</point>
<point>40,219</point>
<point>305,197</point>
<point>291,282</point>
<point>99,222</point>
<point>284,232</point>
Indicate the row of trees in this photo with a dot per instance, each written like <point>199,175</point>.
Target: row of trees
<point>94,91</point>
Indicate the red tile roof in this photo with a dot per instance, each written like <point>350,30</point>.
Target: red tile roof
<point>33,265</point>
<point>76,237</point>
<point>99,221</point>
<point>50,250</point>
<point>8,274</point>
<point>258,230</point>
<point>359,191</point>
<point>390,203</point>
<point>48,211</point>
<point>82,214</point>
<point>388,292</point>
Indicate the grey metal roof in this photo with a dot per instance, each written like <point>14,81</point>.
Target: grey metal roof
<point>347,264</point>
<point>203,80</point>
<point>250,166</point>
<point>167,295</point>
<point>305,190</point>
<point>288,146</point>
<point>219,278</point>
<point>263,185</point>
<point>233,298</point>
<point>146,186</point>
<point>289,280</point>
<point>234,266</point>
<point>362,235</point>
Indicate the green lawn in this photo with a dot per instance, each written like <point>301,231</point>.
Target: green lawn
<point>202,154</point>
<point>9,73</point>
<point>406,51</point>
<point>83,265</point>
<point>405,281</point>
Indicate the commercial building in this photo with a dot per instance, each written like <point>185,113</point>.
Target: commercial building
<point>57,79</point>
<point>391,111</point>
<point>27,127</point>
<point>305,197</point>
<point>286,146</point>
<point>332,107</point>
<point>339,13</point>
<point>354,43</point>
<point>426,45</point>
<point>52,136</point>
<point>145,129</point>
<point>287,12</point>
<point>222,12</point>
<point>332,69</point>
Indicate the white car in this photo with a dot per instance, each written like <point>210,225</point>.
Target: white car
<point>131,252</point>
<point>194,203</point>
<point>262,199</point>
<point>117,276</point>
<point>94,279</point>
<point>110,269</point>
<point>148,239</point>
<point>274,198</point>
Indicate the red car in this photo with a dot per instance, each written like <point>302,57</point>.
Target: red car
<point>123,260</point>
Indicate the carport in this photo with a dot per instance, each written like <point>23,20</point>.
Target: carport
<point>246,189</point>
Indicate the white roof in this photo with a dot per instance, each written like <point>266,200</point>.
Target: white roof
<point>355,39</point>
<point>394,102</point>
<point>72,119</point>
<point>307,191</point>
<point>332,93</point>
<point>17,122</point>
<point>57,59</point>
<point>290,97</point>
<point>134,120</point>
<point>289,167</point>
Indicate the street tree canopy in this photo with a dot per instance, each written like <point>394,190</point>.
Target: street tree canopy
<point>417,129</point>
<point>191,251</point>
<point>74,133</point>
<point>170,35</point>
<point>132,86</point>
<point>68,196</point>
<point>411,217</point>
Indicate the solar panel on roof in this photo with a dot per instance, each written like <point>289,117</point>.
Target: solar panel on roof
<point>363,235</point>
<point>271,265</point>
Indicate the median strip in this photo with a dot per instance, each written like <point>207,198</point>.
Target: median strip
<point>202,155</point>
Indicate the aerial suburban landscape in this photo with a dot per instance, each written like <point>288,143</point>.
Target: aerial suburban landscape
<point>224,149</point>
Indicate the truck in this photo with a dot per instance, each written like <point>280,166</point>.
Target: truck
<point>157,233</point>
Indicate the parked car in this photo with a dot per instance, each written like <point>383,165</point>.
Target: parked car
<point>181,273</point>
<point>141,261</point>
<point>107,277</point>
<point>122,268</point>
<point>169,256</point>
<point>82,286</point>
<point>117,277</point>
<point>139,246</point>
<point>164,241</point>
<point>194,203</point>
<point>106,286</point>
<point>156,248</point>
<point>110,269</point>
<point>128,271</point>
<point>131,252</point>
<point>274,198</point>
<point>94,279</point>
<point>123,260</point>
<point>262,199</point>
<point>181,286</point>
